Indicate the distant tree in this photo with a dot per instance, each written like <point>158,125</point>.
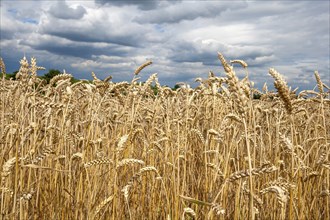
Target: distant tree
<point>54,72</point>
<point>51,73</point>
<point>154,89</point>
<point>74,80</point>
<point>10,75</point>
<point>47,77</point>
<point>256,95</point>
<point>176,87</point>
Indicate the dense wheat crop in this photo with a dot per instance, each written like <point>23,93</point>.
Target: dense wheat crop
<point>107,150</point>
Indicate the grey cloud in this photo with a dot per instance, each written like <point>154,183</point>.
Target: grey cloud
<point>63,11</point>
<point>12,28</point>
<point>5,35</point>
<point>258,12</point>
<point>78,36</point>
<point>204,52</point>
<point>141,4</point>
<point>25,11</point>
<point>99,27</point>
<point>188,10</point>
<point>64,47</point>
<point>261,61</point>
<point>182,40</point>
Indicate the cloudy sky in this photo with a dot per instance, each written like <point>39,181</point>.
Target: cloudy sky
<point>182,38</point>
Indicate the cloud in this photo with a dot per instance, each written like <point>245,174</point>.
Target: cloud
<point>143,5</point>
<point>65,47</point>
<point>182,38</point>
<point>62,11</point>
<point>187,10</point>
<point>12,27</point>
<point>204,51</point>
<point>98,25</point>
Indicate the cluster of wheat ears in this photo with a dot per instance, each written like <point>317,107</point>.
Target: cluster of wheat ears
<point>106,150</point>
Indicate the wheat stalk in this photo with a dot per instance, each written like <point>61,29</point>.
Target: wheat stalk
<point>140,68</point>
<point>282,89</point>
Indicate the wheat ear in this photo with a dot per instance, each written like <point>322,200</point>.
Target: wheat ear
<point>319,82</point>
<point>140,68</point>
<point>282,89</point>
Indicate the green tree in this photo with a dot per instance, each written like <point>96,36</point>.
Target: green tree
<point>154,89</point>
<point>51,73</point>
<point>54,72</point>
<point>176,87</point>
<point>256,95</point>
<point>10,75</point>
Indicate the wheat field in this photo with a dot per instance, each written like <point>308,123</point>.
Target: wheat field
<point>106,150</point>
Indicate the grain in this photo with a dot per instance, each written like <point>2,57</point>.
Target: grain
<point>282,89</point>
<point>140,150</point>
<point>98,162</point>
<point>319,82</point>
<point>129,161</point>
<point>7,168</point>
<point>241,62</point>
<point>140,68</point>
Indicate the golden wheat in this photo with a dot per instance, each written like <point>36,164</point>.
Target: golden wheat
<point>106,150</point>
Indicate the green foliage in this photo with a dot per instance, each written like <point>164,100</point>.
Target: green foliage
<point>51,73</point>
<point>155,89</point>
<point>176,87</point>
<point>10,75</point>
<point>47,77</point>
<point>256,95</point>
<point>54,72</point>
<point>74,80</point>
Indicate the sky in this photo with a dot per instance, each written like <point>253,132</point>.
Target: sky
<point>180,37</point>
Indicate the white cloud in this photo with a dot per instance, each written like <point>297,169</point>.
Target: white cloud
<point>63,11</point>
<point>181,37</point>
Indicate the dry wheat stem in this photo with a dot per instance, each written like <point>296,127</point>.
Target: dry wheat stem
<point>135,150</point>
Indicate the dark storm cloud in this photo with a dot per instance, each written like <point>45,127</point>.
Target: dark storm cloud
<point>63,11</point>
